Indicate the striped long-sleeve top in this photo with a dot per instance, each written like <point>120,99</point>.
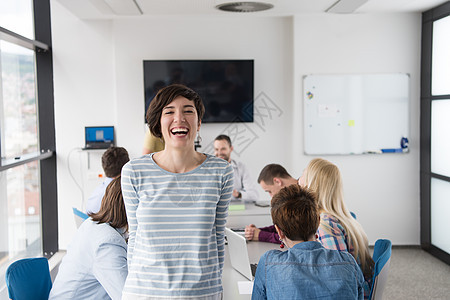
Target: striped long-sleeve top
<point>176,229</point>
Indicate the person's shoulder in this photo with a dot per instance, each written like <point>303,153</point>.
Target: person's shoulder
<point>239,164</point>
<point>217,161</point>
<point>332,255</point>
<point>274,255</point>
<point>103,233</point>
<point>138,162</point>
<point>329,218</point>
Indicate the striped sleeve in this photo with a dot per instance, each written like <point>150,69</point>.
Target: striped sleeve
<point>177,223</point>
<point>131,204</point>
<point>222,213</point>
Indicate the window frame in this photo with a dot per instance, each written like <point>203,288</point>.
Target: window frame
<point>426,99</point>
<point>41,45</point>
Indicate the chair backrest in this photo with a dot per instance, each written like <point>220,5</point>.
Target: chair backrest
<point>382,258</point>
<point>29,278</point>
<point>79,216</point>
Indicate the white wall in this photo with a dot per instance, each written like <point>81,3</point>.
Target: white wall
<point>99,81</point>
<point>84,96</point>
<point>383,190</point>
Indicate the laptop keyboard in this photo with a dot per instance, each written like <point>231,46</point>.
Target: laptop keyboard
<point>253,267</point>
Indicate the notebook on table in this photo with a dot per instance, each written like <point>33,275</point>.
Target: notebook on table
<point>238,253</point>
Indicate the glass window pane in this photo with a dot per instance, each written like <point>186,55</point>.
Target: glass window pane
<point>440,58</point>
<point>440,141</point>
<point>440,206</point>
<point>20,221</point>
<point>18,109</point>
<point>17,16</point>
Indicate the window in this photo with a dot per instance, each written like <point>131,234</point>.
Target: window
<point>19,117</point>
<point>440,76</point>
<point>17,16</point>
<point>435,145</point>
<point>28,221</point>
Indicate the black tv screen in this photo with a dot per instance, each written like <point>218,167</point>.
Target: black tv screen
<point>225,86</point>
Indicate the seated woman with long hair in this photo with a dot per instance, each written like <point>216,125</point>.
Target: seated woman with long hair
<point>95,266</point>
<point>338,230</point>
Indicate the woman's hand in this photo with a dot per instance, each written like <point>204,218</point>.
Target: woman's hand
<point>251,232</point>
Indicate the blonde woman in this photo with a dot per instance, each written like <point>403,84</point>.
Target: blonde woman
<point>338,230</point>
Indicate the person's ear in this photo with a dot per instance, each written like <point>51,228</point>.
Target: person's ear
<point>199,125</point>
<point>280,233</point>
<point>231,148</point>
<point>277,181</point>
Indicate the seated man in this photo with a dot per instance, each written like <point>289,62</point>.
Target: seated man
<point>244,188</point>
<point>113,160</point>
<point>307,270</point>
<point>272,179</point>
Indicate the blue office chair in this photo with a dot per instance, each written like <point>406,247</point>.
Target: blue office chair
<point>79,216</point>
<point>29,278</point>
<point>382,258</point>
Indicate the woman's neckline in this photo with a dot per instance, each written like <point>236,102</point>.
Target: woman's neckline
<point>203,158</point>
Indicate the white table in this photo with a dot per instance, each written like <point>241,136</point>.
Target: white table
<point>260,216</point>
<point>230,276</point>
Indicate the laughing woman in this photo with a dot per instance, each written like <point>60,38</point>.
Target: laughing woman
<point>177,203</point>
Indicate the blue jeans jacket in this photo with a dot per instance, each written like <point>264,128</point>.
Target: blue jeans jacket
<point>308,271</point>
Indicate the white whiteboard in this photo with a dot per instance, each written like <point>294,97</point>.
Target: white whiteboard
<point>355,114</point>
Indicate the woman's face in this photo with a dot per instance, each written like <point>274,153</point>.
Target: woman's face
<point>179,123</point>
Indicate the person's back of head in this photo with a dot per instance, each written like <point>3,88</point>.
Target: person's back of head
<point>113,160</point>
<point>271,171</point>
<point>295,212</point>
<point>112,209</point>
<point>324,178</point>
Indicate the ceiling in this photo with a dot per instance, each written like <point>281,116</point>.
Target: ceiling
<point>111,9</point>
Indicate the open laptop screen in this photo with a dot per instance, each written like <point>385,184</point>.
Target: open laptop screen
<point>100,137</point>
<point>237,251</point>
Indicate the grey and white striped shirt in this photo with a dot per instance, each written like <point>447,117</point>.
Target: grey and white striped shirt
<point>176,225</point>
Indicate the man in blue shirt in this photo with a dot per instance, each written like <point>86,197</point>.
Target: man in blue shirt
<point>306,270</point>
<point>113,160</point>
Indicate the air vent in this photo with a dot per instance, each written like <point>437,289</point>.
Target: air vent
<point>244,6</point>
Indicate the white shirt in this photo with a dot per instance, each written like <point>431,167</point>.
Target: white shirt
<point>95,266</point>
<point>243,182</point>
<point>95,200</point>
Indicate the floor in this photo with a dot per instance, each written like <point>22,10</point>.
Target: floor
<point>415,274</point>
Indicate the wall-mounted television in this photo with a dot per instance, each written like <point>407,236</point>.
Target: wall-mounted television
<point>226,86</point>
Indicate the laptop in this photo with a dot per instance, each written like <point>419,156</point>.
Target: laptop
<point>237,251</point>
<point>99,137</point>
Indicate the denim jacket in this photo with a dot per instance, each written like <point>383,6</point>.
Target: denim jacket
<point>308,271</point>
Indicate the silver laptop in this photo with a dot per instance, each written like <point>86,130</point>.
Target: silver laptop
<point>237,251</point>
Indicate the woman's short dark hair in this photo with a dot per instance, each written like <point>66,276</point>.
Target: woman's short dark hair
<point>269,172</point>
<point>112,209</point>
<point>295,212</point>
<point>163,98</point>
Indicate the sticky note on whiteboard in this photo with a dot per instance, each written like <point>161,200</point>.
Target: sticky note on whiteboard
<point>351,123</point>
